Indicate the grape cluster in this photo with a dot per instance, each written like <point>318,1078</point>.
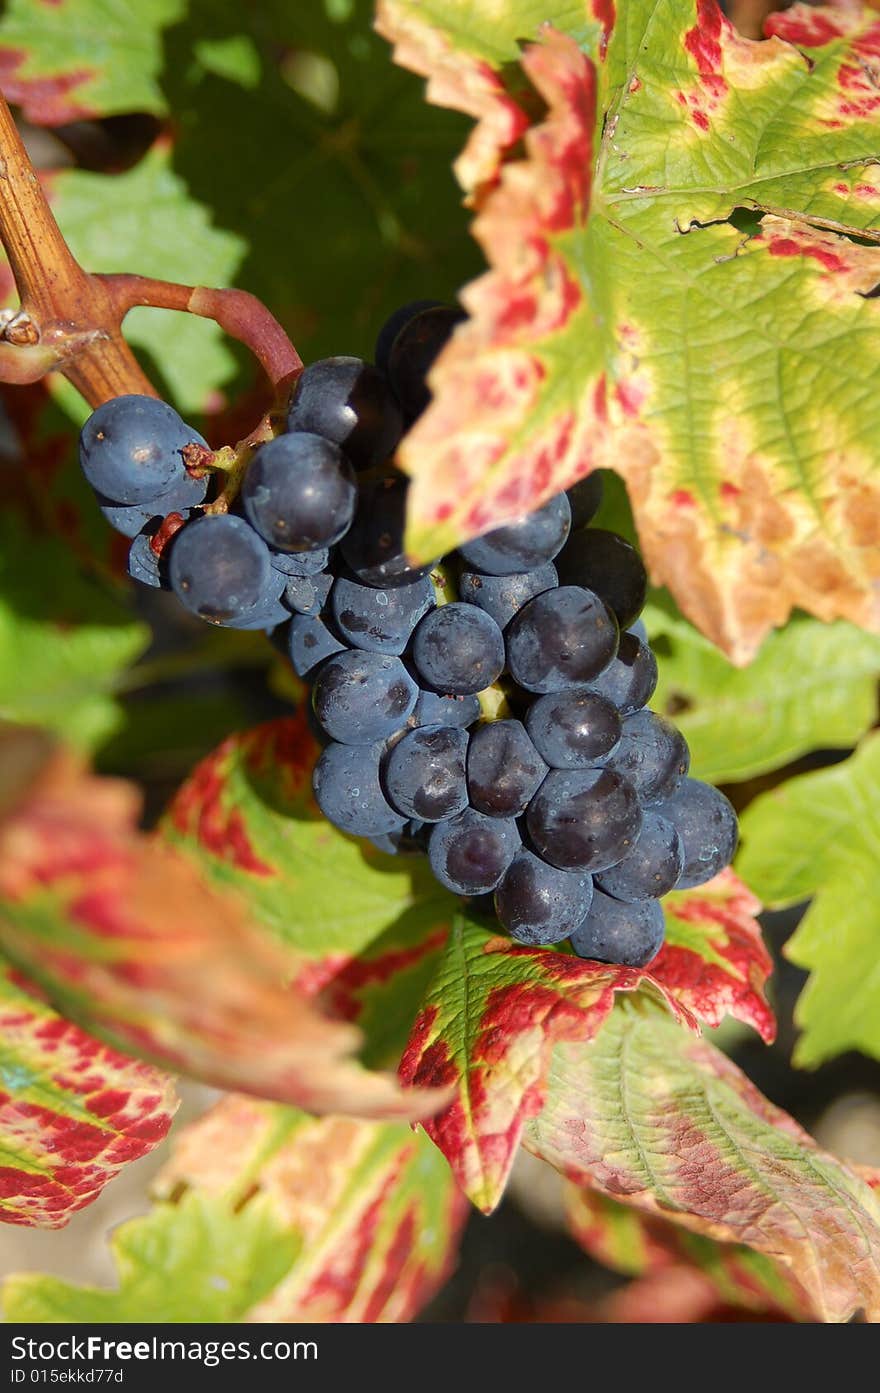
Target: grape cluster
<point>490,709</point>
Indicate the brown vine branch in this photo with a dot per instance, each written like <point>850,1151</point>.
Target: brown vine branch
<point>70,321</point>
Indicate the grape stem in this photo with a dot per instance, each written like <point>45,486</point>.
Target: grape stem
<point>70,321</point>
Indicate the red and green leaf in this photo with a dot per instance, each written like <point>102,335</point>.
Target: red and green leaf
<point>127,936</point>
<point>660,1120</point>
<point>65,60</point>
<point>656,258</point>
<point>72,1111</point>
<point>267,1215</point>
<point>495,1010</point>
<point>649,1246</point>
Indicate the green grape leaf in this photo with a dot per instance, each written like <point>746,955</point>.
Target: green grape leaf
<point>265,1215</point>
<point>346,198</point>
<point>127,937</point>
<point>147,221</point>
<point>811,686</point>
<point>662,1121</point>
<point>363,929</point>
<point>72,1111</point>
<point>680,226</point>
<point>648,1245</point>
<point>495,1009</point>
<point>817,835</point>
<point>64,639</point>
<point>65,60</point>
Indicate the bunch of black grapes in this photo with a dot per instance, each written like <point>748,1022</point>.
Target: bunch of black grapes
<point>490,709</point>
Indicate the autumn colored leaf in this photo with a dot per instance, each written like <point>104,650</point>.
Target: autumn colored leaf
<point>817,835</point>
<point>666,291</point>
<point>72,1111</point>
<point>267,1215</point>
<point>658,1119</point>
<point>647,1245</point>
<point>128,938</point>
<point>495,1009</point>
<point>363,929</point>
<point>63,60</point>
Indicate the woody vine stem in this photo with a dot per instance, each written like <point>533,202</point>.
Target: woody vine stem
<point>70,320</point>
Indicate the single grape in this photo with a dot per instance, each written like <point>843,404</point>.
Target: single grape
<point>616,932</point>
<point>539,904</point>
<point>412,355</point>
<point>393,325</point>
<point>308,594</point>
<point>437,709</point>
<point>132,518</point>
<point>608,565</point>
<point>220,569</point>
<point>300,563</point>
<point>638,630</point>
<point>380,620</point>
<point>373,546</point>
<point>309,642</point>
<point>706,823</point>
<point>265,617</point>
<point>360,697</point>
<point>573,729</point>
<point>584,819</point>
<point>630,678</point>
<point>458,649</point>
<point>504,596</point>
<point>652,755</point>
<point>559,639</point>
<point>144,565</point>
<point>652,868</point>
<point>504,769</point>
<point>425,773</point>
<point>469,853</point>
<point>347,401</point>
<point>299,492</point>
<point>522,545</point>
<point>130,448</point>
<point>349,793</point>
<point>585,499</point>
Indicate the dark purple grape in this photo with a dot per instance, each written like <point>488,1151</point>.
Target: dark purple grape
<point>130,449</point>
<point>504,596</point>
<point>299,492</point>
<point>309,642</point>
<point>652,755</point>
<point>132,518</point>
<point>144,565</point>
<point>307,594</point>
<point>349,402</point>
<point>630,679</point>
<point>504,769</point>
<point>585,499</point>
<point>539,904</point>
<point>652,868</point>
<point>373,546</point>
<point>609,565</point>
<point>469,853</point>
<point>393,325</point>
<point>412,354</point>
<point>300,563</point>
<point>380,620</point>
<point>349,793</point>
<point>615,932</point>
<point>360,697</point>
<point>438,709</point>
<point>425,773</point>
<point>706,823</point>
<point>573,729</point>
<point>584,819</point>
<point>521,545</point>
<point>559,639</point>
<point>458,649</point>
<point>220,570</point>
